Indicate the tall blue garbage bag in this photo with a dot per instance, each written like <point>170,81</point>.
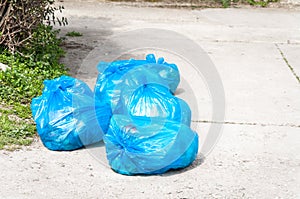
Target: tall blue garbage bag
<point>138,145</point>
<point>128,75</point>
<point>65,115</point>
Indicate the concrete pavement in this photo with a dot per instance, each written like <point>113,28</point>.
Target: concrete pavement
<point>255,52</point>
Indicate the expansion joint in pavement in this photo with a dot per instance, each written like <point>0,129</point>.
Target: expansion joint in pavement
<point>287,63</point>
<point>248,123</point>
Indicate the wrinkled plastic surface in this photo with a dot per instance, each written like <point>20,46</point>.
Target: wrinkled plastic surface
<point>129,75</point>
<point>140,145</point>
<point>154,100</point>
<point>65,115</point>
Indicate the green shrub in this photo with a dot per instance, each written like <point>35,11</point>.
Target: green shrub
<point>20,18</point>
<point>23,81</point>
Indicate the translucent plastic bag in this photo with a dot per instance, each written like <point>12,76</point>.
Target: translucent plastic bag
<point>130,74</point>
<point>140,145</point>
<point>65,115</point>
<point>154,100</point>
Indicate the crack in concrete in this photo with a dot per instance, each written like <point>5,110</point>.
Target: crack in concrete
<point>249,123</point>
<point>294,43</point>
<point>287,63</point>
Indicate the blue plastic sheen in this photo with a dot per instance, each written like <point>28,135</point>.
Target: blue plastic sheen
<point>129,75</point>
<point>146,129</point>
<point>65,115</point>
<point>154,100</point>
<point>140,145</point>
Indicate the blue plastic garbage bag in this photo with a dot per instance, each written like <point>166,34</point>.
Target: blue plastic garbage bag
<point>154,100</point>
<point>65,115</point>
<point>130,74</point>
<point>140,145</point>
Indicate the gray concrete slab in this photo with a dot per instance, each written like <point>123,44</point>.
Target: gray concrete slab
<point>241,43</point>
<point>258,84</point>
<point>253,25</point>
<point>248,162</point>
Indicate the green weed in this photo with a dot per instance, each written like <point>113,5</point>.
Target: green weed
<point>73,34</point>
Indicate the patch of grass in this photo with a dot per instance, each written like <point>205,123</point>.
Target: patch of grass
<point>15,131</point>
<point>24,81</point>
<point>257,3</point>
<point>73,34</point>
<point>261,3</point>
<point>225,3</point>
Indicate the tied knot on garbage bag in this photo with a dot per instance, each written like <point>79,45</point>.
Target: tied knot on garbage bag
<point>145,128</point>
<point>128,75</point>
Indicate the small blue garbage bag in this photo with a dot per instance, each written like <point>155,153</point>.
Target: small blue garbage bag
<point>130,74</point>
<point>140,145</point>
<point>154,100</point>
<point>65,115</point>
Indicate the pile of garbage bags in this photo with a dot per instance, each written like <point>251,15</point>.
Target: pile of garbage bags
<point>145,128</point>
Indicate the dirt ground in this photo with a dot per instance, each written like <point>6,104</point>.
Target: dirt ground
<point>258,153</point>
